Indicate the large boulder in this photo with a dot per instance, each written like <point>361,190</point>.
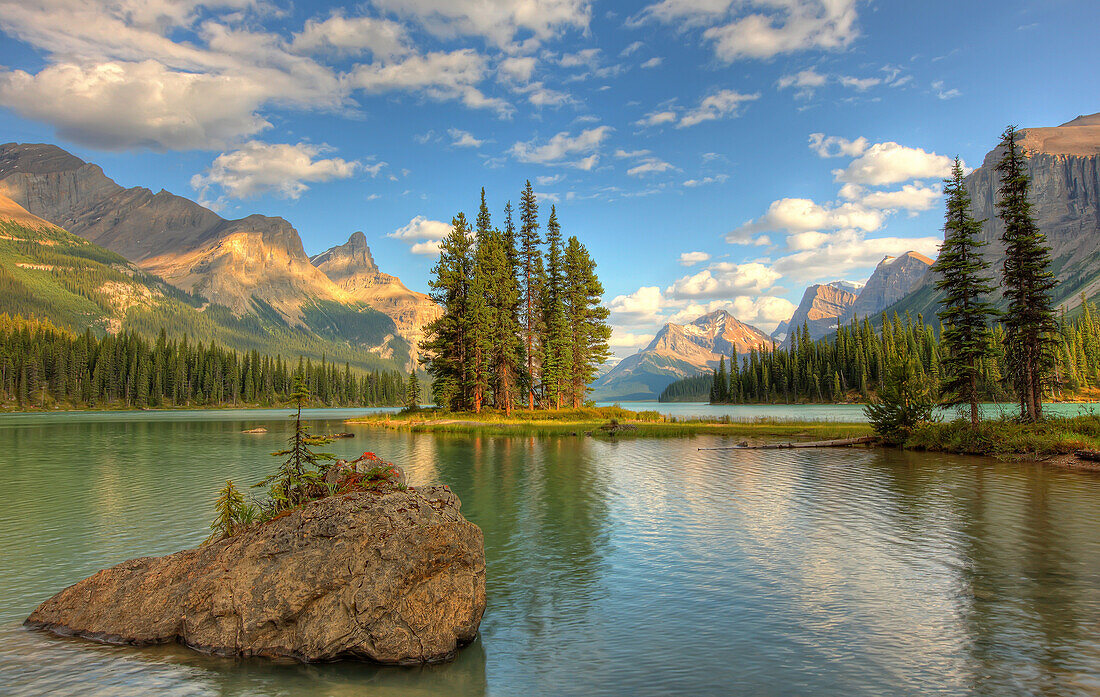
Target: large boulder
<point>392,577</point>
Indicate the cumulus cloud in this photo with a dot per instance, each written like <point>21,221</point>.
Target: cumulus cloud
<point>115,105</point>
<point>911,197</point>
<point>890,163</point>
<point>721,104</point>
<point>517,68</point>
<point>839,253</point>
<point>623,340</point>
<point>739,29</point>
<point>189,75</point>
<point>422,234</point>
<point>835,146</point>
<point>441,75</point>
<point>693,258</point>
<point>352,36</point>
<point>499,21</point>
<point>643,306</point>
<point>859,84</point>
<point>563,146</point>
<point>803,214</point>
<point>260,168</point>
<point>724,280</point>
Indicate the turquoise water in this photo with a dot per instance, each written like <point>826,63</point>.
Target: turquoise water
<point>822,412</point>
<point>642,567</point>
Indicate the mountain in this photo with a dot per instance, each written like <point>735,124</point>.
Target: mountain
<point>822,306</point>
<point>781,331</point>
<point>351,267</point>
<point>1064,166</point>
<point>254,267</point>
<point>678,351</point>
<point>892,280</point>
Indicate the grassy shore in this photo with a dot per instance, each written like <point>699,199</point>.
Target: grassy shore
<point>614,422</point>
<point>1007,438</point>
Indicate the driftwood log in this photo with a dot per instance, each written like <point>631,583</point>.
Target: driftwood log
<point>1090,455</point>
<point>840,443</point>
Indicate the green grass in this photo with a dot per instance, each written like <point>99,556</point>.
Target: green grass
<point>1005,437</point>
<point>596,420</point>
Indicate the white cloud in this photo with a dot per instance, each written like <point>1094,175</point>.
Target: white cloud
<point>842,252</point>
<point>649,165</point>
<point>890,163</point>
<point>586,57</point>
<point>656,118</point>
<point>497,20</point>
<point>763,28</point>
<point>352,35</point>
<point>549,179</point>
<point>518,68</point>
<point>911,197</point>
<point>464,139</point>
<point>716,179</point>
<point>835,146</point>
<point>643,306</point>
<point>440,75</point>
<point>653,62</point>
<point>423,234</point>
<point>859,84</point>
<point>693,258</point>
<point>721,104</point>
<point>562,146</point>
<point>804,81</point>
<point>764,312</point>
<point>259,168</point>
<point>803,214</point>
<point>724,280</point>
<point>126,105</point>
<point>941,93</point>
<point>629,341</point>
<point>631,48</point>
<point>540,95</point>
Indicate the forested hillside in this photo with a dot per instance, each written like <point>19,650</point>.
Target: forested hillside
<point>43,366</point>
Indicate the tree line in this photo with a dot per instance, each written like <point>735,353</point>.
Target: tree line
<point>42,366</point>
<point>970,356</point>
<point>522,323</point>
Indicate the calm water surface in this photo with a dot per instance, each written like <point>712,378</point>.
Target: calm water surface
<point>641,567</point>
<point>852,413</point>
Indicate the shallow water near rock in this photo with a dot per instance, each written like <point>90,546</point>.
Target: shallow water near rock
<point>640,567</point>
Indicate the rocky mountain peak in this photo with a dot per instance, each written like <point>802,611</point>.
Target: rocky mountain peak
<point>821,307</point>
<point>892,280</point>
<point>354,256</point>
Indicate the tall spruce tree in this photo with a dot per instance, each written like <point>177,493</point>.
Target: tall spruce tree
<point>446,344</point>
<point>1030,326</point>
<point>557,359</point>
<point>966,316</point>
<point>481,314</point>
<point>530,264</point>
<point>586,319</point>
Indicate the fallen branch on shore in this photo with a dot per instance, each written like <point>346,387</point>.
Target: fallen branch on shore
<point>840,443</point>
<point>1090,455</point>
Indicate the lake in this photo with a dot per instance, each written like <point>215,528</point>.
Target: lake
<point>640,567</point>
<point>852,413</point>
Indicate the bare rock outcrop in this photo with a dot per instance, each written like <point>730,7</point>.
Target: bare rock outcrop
<point>893,279</point>
<point>395,577</point>
<point>821,308</point>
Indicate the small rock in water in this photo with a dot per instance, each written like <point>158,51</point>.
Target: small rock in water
<point>393,577</point>
<point>259,429</point>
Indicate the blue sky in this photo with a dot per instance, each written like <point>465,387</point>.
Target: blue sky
<point>710,153</point>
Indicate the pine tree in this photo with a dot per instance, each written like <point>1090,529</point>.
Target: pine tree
<point>586,319</point>
<point>966,316</point>
<point>412,391</point>
<point>300,476</point>
<point>1030,325</point>
<point>480,312</point>
<point>557,359</point>
<point>446,343</point>
<point>530,263</point>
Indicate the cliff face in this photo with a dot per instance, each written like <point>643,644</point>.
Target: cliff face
<point>892,280</point>
<point>351,267</point>
<point>1064,166</point>
<point>679,351</point>
<point>822,306</point>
